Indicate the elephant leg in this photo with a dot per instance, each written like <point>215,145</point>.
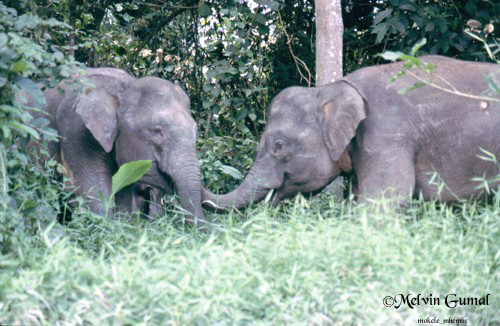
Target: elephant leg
<point>142,198</point>
<point>88,170</point>
<point>129,199</point>
<point>385,174</point>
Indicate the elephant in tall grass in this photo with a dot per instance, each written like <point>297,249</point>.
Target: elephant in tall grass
<point>426,142</point>
<point>109,118</point>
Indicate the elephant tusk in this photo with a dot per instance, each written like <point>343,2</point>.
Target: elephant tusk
<point>212,204</point>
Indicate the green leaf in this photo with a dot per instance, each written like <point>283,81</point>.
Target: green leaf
<point>3,40</point>
<point>399,27</point>
<point>203,9</point>
<point>411,88</point>
<point>58,56</point>
<point>430,27</point>
<point>37,98</point>
<point>381,31</point>
<point>227,22</point>
<point>408,6</point>
<point>493,85</point>
<point>429,67</point>
<point>271,4</point>
<point>24,129</point>
<point>410,61</point>
<point>391,55</point>
<point>207,104</point>
<point>418,45</point>
<point>129,173</point>
<point>231,171</point>
<point>19,66</point>
<point>261,19</point>
<point>381,16</point>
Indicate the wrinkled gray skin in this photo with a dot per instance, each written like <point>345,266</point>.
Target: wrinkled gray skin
<point>116,118</point>
<point>389,144</point>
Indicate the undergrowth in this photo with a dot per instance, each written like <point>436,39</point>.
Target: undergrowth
<point>306,262</point>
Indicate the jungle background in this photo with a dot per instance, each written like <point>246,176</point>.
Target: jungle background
<point>315,262</point>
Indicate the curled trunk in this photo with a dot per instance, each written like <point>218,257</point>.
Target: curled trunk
<point>251,190</point>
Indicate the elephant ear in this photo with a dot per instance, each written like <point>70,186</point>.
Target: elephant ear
<point>98,105</point>
<point>343,109</point>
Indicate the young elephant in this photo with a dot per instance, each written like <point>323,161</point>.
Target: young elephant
<point>390,144</point>
<point>115,118</point>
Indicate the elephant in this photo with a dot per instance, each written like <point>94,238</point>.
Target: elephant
<point>108,118</point>
<point>389,144</point>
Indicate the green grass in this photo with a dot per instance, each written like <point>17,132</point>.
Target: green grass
<point>308,262</point>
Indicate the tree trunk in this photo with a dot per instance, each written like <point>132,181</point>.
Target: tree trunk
<point>329,33</point>
<point>72,23</point>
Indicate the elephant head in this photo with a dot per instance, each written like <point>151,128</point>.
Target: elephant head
<point>303,147</point>
<point>146,119</point>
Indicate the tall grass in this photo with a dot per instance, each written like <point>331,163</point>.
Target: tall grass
<point>314,262</point>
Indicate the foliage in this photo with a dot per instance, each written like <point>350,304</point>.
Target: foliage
<point>129,173</point>
<point>28,60</point>
<point>377,26</point>
<point>233,56</point>
<point>303,263</point>
<point>222,159</point>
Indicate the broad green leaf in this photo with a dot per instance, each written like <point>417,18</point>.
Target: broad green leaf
<point>207,104</point>
<point>381,31</point>
<point>261,19</point>
<point>381,16</point>
<point>3,40</point>
<point>203,9</point>
<point>37,98</point>
<point>231,171</point>
<point>129,173</point>
<point>19,66</point>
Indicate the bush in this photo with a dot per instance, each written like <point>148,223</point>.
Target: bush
<point>29,61</point>
<point>224,160</point>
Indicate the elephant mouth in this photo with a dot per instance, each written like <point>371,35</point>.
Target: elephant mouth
<point>290,189</point>
<point>158,179</point>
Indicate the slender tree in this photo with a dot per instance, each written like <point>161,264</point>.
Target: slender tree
<point>329,31</point>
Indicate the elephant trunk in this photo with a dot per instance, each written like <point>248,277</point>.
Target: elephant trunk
<point>185,172</point>
<point>251,190</point>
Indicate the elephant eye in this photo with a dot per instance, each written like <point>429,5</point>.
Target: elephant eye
<point>157,130</point>
<point>280,149</point>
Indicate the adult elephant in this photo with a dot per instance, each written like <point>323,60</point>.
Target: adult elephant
<point>107,118</point>
<point>425,142</point>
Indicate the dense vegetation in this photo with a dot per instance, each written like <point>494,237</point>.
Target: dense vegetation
<point>318,261</point>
